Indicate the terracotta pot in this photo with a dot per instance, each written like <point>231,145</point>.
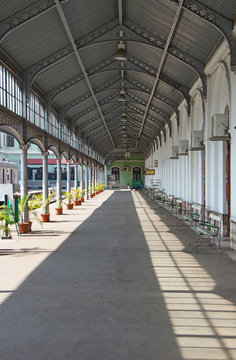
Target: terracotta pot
<point>58,211</point>
<point>82,200</point>
<point>97,192</point>
<point>23,227</point>
<point>45,217</point>
<point>77,202</point>
<point>30,226</point>
<point>91,196</point>
<point>69,206</point>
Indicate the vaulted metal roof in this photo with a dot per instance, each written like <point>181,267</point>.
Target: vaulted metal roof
<point>67,47</point>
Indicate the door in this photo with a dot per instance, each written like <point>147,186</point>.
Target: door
<point>116,172</point>
<point>137,174</point>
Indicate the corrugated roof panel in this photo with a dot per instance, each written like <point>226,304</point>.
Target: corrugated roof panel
<point>12,7</point>
<point>168,92</point>
<point>94,54</point>
<point>138,95</point>
<point>224,8</point>
<point>72,93</point>
<point>85,16</point>
<point>106,94</point>
<point>162,106</point>
<point>58,74</point>
<point>143,80</point>
<point>146,53</point>
<point>83,106</point>
<point>99,79</point>
<point>195,36</point>
<point>178,71</point>
<point>36,39</point>
<point>147,15</point>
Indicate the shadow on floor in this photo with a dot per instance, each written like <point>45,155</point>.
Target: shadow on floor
<point>96,297</point>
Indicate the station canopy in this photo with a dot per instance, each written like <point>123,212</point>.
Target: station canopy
<point>116,70</point>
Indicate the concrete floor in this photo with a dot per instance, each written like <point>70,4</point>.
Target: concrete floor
<point>114,280</point>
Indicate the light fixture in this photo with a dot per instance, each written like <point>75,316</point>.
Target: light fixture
<point>123,117</point>
<point>122,96</point>
<point>120,53</point>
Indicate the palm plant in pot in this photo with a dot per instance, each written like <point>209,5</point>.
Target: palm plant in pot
<point>33,205</point>
<point>5,219</point>
<point>45,215</point>
<point>76,193</point>
<point>69,197</point>
<point>91,191</point>
<point>82,192</point>
<point>22,207</point>
<point>59,208</point>
<point>96,189</point>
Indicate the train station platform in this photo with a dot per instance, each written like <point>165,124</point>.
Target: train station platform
<point>114,279</point>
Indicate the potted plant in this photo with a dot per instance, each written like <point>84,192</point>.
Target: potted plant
<point>77,200</point>
<point>69,200</point>
<point>45,215</point>
<point>91,192</point>
<point>96,189</point>
<point>59,208</point>
<point>33,205</point>
<point>5,219</point>
<point>82,192</point>
<point>22,206</point>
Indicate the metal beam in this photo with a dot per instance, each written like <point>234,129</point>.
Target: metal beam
<point>216,20</point>
<point>86,96</point>
<point>144,88</point>
<point>51,94</point>
<point>120,9</point>
<point>25,15</point>
<point>34,70</point>
<point>161,63</point>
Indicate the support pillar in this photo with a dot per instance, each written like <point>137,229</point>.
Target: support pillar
<point>81,177</point>
<point>24,176</point>
<point>105,176</point>
<point>89,179</point>
<point>45,180</point>
<point>59,179</point>
<point>68,186</point>
<point>86,182</point>
<point>76,178</point>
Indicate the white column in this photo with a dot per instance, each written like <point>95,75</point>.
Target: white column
<point>59,179</point>
<point>81,177</point>
<point>68,187</point>
<point>86,182</point>
<point>76,177</point>
<point>24,176</point>
<point>45,179</point>
<point>89,179</point>
<point>105,176</point>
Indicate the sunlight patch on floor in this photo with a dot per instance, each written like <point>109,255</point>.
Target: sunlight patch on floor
<point>204,323</point>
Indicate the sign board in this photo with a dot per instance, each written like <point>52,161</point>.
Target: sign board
<point>149,172</point>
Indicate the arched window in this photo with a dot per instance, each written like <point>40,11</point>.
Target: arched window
<point>137,173</point>
<point>35,111</point>
<point>10,91</point>
<point>116,171</point>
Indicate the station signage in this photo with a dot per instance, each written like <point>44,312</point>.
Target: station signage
<point>149,172</point>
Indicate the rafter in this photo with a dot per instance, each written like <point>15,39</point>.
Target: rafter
<point>140,101</point>
<point>51,94</point>
<point>216,20</point>
<point>141,112</point>
<point>33,71</point>
<point>25,15</point>
<point>86,96</point>
<point>161,64</point>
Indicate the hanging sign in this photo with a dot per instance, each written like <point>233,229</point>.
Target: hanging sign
<point>149,172</point>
